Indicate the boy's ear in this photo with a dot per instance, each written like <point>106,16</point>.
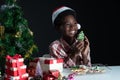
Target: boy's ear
<point>79,26</point>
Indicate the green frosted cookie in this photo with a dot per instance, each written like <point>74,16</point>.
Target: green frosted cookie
<point>81,36</point>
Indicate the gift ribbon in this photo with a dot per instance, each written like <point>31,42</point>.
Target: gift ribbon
<point>17,56</point>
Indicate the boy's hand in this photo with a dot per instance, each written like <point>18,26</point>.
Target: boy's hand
<point>78,47</point>
<point>84,52</point>
<point>81,46</point>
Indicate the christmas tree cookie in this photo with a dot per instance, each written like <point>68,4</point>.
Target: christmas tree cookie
<point>80,36</point>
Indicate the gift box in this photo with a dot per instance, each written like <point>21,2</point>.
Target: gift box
<point>49,77</point>
<point>14,61</point>
<point>15,68</point>
<point>55,73</point>
<point>34,68</point>
<point>31,71</point>
<point>33,63</point>
<point>14,71</point>
<point>8,77</point>
<point>51,64</point>
<point>23,77</point>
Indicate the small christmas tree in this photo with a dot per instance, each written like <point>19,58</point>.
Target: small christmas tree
<point>15,35</point>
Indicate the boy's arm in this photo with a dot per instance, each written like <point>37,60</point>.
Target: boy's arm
<point>86,53</point>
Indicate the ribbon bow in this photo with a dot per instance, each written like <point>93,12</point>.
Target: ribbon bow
<point>16,56</point>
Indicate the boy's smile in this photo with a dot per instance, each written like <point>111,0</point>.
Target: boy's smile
<point>72,32</point>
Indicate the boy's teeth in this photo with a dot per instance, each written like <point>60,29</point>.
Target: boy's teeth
<point>72,32</point>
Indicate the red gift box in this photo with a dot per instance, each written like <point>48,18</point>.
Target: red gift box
<point>13,61</point>
<point>31,71</point>
<point>34,68</point>
<point>8,77</point>
<point>15,71</point>
<point>34,62</point>
<point>51,75</point>
<point>55,73</point>
<point>23,77</point>
<point>48,77</point>
<point>51,64</point>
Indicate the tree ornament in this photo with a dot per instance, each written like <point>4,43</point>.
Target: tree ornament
<point>27,55</point>
<point>18,34</point>
<point>31,33</point>
<point>2,30</point>
<point>29,52</point>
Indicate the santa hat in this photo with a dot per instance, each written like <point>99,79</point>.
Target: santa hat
<point>58,11</point>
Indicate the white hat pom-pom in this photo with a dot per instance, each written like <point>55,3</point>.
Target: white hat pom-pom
<point>79,26</point>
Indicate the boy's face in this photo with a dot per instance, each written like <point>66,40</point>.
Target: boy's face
<point>69,27</point>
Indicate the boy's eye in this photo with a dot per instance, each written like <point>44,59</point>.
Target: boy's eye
<point>75,24</point>
<point>67,24</point>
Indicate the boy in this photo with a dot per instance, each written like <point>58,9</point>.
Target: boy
<point>73,51</point>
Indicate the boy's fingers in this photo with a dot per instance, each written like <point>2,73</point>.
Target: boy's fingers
<point>79,44</point>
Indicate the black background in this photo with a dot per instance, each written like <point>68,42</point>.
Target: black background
<point>98,20</point>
